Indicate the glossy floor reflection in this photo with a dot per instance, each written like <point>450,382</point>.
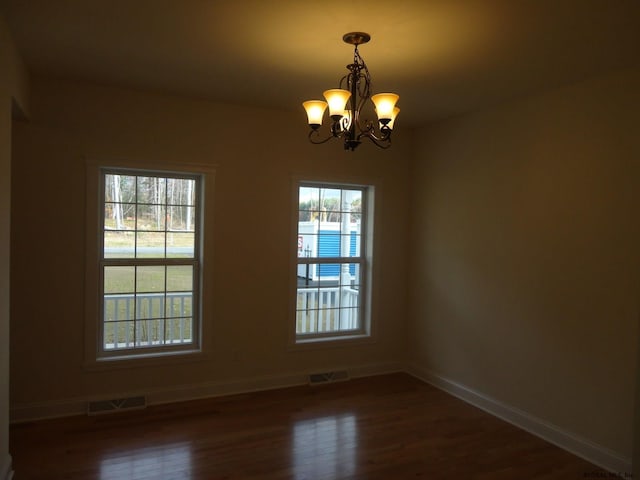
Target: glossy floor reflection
<point>325,447</point>
<point>171,460</point>
<point>387,427</point>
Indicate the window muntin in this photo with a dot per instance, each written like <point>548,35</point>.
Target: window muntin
<point>149,262</point>
<point>331,264</point>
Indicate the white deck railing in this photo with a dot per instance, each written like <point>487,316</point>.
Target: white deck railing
<point>146,320</point>
<point>154,319</point>
<point>327,310</point>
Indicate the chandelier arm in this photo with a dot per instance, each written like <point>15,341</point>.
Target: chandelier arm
<point>365,89</point>
<point>357,59</point>
<point>346,77</point>
<point>317,134</point>
<point>370,133</point>
<point>363,124</point>
<point>338,128</point>
<point>341,126</point>
<point>384,142</point>
<point>354,101</point>
<point>349,128</point>
<point>364,85</point>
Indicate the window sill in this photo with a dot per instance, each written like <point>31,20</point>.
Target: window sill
<point>331,342</point>
<point>145,360</point>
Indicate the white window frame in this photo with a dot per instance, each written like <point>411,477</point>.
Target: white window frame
<point>96,356</point>
<point>365,261</point>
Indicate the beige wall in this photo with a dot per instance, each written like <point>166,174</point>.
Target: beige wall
<point>525,265</point>
<point>13,96</point>
<point>636,423</point>
<point>256,152</point>
<point>5,209</point>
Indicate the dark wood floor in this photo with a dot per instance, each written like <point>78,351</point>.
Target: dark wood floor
<point>385,427</point>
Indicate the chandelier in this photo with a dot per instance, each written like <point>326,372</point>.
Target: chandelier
<point>346,104</point>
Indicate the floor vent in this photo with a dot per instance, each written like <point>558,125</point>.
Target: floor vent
<point>328,377</point>
<point>116,405</point>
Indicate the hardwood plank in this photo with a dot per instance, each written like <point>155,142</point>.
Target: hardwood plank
<point>385,427</point>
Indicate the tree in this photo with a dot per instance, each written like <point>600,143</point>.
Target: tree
<point>116,207</point>
<point>328,209</point>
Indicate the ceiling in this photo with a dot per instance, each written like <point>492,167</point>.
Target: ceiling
<point>443,57</point>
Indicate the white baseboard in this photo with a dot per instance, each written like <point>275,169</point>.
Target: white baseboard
<point>256,384</point>
<point>78,406</point>
<point>27,412</point>
<point>592,452</point>
<point>373,370</point>
<point>5,468</point>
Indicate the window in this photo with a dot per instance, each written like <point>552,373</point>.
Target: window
<point>149,262</point>
<point>332,261</point>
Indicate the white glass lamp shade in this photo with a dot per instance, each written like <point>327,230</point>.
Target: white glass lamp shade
<point>337,100</point>
<point>315,111</point>
<point>385,103</point>
<point>395,113</point>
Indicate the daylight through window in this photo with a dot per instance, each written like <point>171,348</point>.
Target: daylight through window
<point>150,262</point>
<point>332,265</point>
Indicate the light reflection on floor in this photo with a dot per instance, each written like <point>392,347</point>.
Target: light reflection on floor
<point>170,461</point>
<point>325,447</point>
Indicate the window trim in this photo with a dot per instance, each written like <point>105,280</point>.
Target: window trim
<point>95,356</point>
<point>366,332</point>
